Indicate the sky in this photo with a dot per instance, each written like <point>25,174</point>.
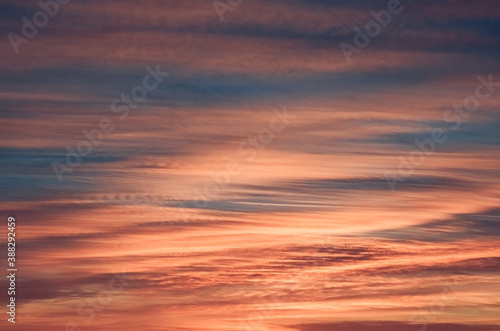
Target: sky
<point>298,165</point>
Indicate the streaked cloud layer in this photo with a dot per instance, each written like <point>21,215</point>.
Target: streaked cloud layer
<point>251,188</point>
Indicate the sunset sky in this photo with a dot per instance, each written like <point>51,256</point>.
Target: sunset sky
<point>238,165</point>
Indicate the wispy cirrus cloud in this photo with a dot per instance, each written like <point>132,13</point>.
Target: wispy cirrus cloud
<point>308,232</point>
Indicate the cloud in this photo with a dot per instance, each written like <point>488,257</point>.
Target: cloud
<point>392,326</point>
<point>459,227</point>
